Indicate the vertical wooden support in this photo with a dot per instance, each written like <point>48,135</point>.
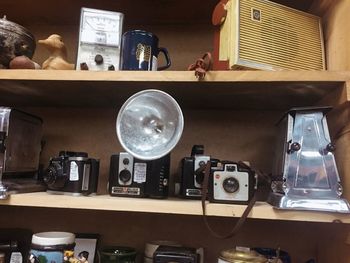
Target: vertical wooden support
<point>336,25</point>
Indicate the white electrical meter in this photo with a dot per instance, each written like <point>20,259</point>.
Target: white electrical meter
<point>99,40</point>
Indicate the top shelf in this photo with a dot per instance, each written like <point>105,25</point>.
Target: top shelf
<point>220,89</point>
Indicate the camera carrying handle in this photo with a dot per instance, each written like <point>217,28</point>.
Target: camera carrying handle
<point>241,220</point>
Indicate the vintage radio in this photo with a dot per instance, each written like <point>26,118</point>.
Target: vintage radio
<point>263,35</point>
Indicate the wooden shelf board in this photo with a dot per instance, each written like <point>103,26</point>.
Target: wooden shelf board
<point>175,76</point>
<point>220,89</point>
<point>169,206</point>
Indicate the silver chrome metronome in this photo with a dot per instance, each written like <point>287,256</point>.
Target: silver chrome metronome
<point>305,164</point>
<point>99,39</point>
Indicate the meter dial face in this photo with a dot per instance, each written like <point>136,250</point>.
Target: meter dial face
<point>101,27</point>
<point>101,23</point>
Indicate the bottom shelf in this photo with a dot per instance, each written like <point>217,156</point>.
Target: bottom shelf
<point>261,210</point>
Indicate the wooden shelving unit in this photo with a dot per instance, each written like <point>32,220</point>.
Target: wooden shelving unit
<point>233,113</point>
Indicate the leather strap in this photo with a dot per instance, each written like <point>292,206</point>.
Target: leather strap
<point>237,227</point>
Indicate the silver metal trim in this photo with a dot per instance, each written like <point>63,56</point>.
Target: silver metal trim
<point>74,158</point>
<point>86,177</point>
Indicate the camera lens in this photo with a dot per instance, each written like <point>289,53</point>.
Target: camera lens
<point>230,185</point>
<point>199,177</point>
<point>199,173</point>
<point>54,176</point>
<point>125,176</point>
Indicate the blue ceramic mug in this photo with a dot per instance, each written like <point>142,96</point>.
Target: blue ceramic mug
<point>140,51</point>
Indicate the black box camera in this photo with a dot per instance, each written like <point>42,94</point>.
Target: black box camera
<point>192,172</point>
<point>132,177</point>
<point>72,173</point>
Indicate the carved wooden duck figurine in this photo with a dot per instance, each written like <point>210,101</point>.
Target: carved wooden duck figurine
<point>58,53</point>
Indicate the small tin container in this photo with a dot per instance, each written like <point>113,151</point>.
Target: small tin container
<point>52,247</point>
<point>238,256</point>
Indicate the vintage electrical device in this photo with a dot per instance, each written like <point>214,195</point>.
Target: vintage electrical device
<point>99,40</point>
<point>263,35</point>
<point>72,173</point>
<point>132,177</point>
<point>20,147</point>
<point>305,169</point>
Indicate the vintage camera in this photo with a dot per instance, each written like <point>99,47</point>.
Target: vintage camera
<point>132,177</point>
<point>231,182</point>
<point>73,173</point>
<point>192,172</point>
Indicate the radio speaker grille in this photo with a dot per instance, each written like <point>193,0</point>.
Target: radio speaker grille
<point>279,36</point>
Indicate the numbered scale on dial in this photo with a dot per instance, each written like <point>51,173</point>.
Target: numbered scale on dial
<point>99,39</point>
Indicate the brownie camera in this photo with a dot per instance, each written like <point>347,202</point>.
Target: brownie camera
<point>133,177</point>
<point>192,172</point>
<point>232,182</point>
<point>73,173</point>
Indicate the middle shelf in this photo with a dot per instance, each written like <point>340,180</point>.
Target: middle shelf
<point>261,210</point>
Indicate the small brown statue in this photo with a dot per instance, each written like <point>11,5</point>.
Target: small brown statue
<point>58,53</point>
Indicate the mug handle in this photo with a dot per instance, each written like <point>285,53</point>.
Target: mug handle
<point>167,58</point>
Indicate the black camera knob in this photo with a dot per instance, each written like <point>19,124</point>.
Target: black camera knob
<point>230,185</point>
<point>125,176</point>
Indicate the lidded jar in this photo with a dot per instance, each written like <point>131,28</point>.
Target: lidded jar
<point>52,247</point>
